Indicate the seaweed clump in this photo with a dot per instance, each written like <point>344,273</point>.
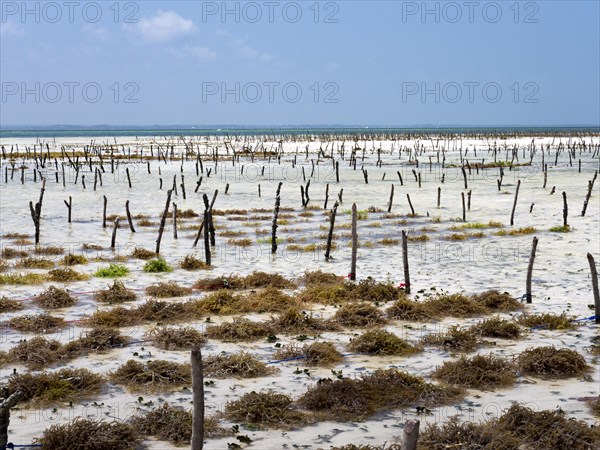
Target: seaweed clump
<point>173,424</point>
<point>265,408</point>
<point>171,338</point>
<point>168,289</point>
<point>90,435</point>
<point>53,298</point>
<point>64,385</point>
<point>152,375</point>
<point>356,399</point>
<point>115,294</point>
<point>552,362</point>
<point>381,342</point>
<point>518,427</point>
<point>359,314</point>
<point>239,365</point>
<point>479,372</point>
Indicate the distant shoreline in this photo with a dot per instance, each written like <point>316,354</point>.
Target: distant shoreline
<point>124,131</point>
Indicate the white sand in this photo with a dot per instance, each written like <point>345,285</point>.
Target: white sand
<point>561,280</point>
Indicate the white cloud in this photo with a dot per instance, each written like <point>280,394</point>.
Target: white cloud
<point>198,52</point>
<point>243,49</point>
<point>163,26</point>
<point>96,32</point>
<point>9,28</point>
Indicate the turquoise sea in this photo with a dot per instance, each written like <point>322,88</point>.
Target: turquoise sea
<point>59,131</point>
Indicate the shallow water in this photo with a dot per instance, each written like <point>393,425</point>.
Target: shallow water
<point>561,278</point>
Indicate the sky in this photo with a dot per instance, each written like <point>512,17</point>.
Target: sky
<point>362,63</point>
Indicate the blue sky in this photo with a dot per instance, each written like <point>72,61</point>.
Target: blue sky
<point>350,63</point>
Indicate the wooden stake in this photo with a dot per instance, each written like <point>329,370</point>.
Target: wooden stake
<point>589,194</point>
<point>391,199</point>
<point>354,243</point>
<point>207,236</point>
<point>565,209</point>
<point>411,434</point>
<point>114,234</point>
<point>332,215</point>
<point>5,406</point>
<point>163,220</point>
<point>197,399</point>
<point>512,215</point>
<point>595,290</point>
<point>69,204</point>
<point>174,220</point>
<point>129,217</point>
<point>405,262</point>
<point>128,177</point>
<point>104,211</point>
<point>530,270</point>
<point>36,212</point>
<point>439,197</point>
<point>410,204</point>
<point>274,225</point>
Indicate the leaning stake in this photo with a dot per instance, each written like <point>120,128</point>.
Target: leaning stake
<point>530,269</point>
<point>512,215</point>
<point>594,273</point>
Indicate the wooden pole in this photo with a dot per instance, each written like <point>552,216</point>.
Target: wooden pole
<point>410,204</point>
<point>174,220</point>
<point>5,406</point>
<point>198,234</point>
<point>391,199</point>
<point>565,209</point>
<point>114,234</point>
<point>207,236</point>
<point>104,211</point>
<point>354,243</point>
<point>274,225</point>
<point>589,194</point>
<point>530,270</point>
<point>36,212</point>
<point>330,234</point>
<point>69,204</point>
<point>594,274</point>
<point>163,220</point>
<point>405,262</point>
<point>512,215</point>
<point>197,399</point>
<point>129,217</point>
<point>411,434</point>
<point>464,216</point>
<point>439,196</point>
